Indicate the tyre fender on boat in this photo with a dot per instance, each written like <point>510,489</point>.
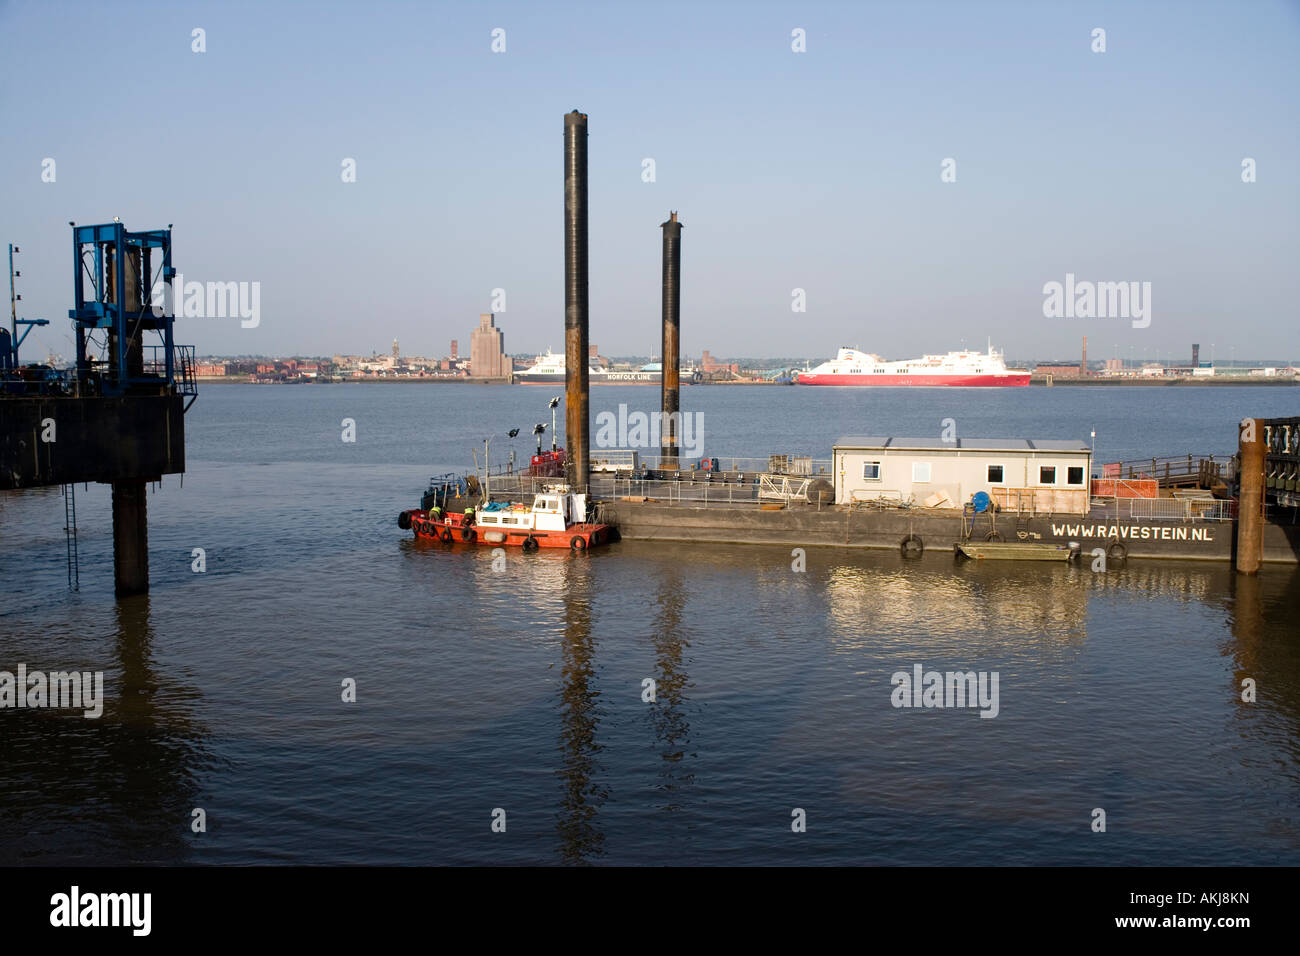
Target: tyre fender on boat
<point>577,542</point>
<point>404,520</point>
<point>912,546</point>
<point>468,534</point>
<point>530,543</point>
<point>445,535</point>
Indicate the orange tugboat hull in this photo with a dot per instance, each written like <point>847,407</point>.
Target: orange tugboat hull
<point>453,527</point>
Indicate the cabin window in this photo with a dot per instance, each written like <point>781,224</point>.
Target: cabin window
<point>920,471</point>
<point>871,471</point>
<point>995,474</point>
<point>1074,475</point>
<point>1047,474</point>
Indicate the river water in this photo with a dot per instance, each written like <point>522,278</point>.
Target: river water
<point>517,692</point>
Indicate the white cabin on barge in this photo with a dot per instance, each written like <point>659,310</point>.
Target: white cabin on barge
<point>1045,475</point>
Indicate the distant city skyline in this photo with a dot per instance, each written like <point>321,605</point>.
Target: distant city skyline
<point>915,175</point>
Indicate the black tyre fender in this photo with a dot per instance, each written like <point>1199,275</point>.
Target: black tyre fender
<point>530,543</point>
<point>993,536</point>
<point>445,535</point>
<point>404,520</point>
<point>468,534</point>
<point>577,542</point>
<point>912,546</point>
<point>1117,552</point>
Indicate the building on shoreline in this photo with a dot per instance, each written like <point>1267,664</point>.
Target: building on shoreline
<point>487,354</point>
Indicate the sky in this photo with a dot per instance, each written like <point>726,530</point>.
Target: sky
<point>822,170</point>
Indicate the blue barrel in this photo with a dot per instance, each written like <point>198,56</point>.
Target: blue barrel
<point>980,502</point>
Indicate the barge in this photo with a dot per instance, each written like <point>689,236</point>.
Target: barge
<point>993,499</point>
<point>912,532</point>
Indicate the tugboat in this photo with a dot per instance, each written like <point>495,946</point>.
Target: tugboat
<point>555,520</point>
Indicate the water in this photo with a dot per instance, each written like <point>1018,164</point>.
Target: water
<point>522,689</point>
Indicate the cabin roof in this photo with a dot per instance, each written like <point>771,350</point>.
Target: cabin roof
<point>877,443</point>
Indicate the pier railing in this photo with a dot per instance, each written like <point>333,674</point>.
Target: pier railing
<point>1183,508</point>
<point>700,490</point>
<point>702,493</point>
<point>1172,470</point>
<point>793,465</point>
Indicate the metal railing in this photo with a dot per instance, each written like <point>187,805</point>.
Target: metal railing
<point>698,492</point>
<point>783,487</point>
<point>1182,509</point>
<point>181,373</point>
<point>772,465</point>
<point>1169,469</point>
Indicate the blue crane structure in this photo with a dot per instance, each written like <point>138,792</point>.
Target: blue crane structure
<point>122,289</point>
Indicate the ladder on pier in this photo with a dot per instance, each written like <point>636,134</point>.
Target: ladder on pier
<point>70,530</point>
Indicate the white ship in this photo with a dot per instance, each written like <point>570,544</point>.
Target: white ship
<point>550,368</point>
<point>968,369</point>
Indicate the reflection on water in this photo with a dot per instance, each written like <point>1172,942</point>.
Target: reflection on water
<point>1265,648</point>
<point>668,713</point>
<point>903,605</point>
<point>521,688</point>
<point>582,795</point>
<point>117,789</point>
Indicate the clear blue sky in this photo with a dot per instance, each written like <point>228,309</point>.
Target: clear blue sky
<point>818,170</point>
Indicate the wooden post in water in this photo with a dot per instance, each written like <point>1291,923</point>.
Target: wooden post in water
<point>1250,506</point>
